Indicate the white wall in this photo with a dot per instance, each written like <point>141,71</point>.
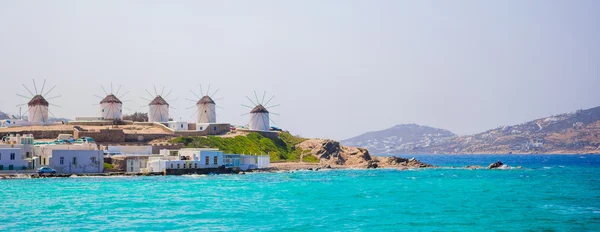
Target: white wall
<point>111,110</point>
<point>19,158</point>
<point>37,113</point>
<point>206,113</point>
<point>77,161</point>
<point>158,113</point>
<point>130,149</point>
<point>179,126</point>
<point>259,122</point>
<point>45,152</point>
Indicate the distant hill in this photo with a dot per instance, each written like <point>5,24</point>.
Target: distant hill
<point>569,133</point>
<point>4,116</point>
<point>406,138</point>
<point>574,132</point>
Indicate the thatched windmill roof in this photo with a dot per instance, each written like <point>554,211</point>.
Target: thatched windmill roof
<point>205,100</point>
<point>259,109</point>
<point>158,100</point>
<point>111,99</point>
<point>38,100</point>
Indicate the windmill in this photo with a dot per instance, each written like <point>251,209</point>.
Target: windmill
<point>205,106</point>
<point>259,115</point>
<point>38,104</point>
<point>158,107</point>
<point>111,107</point>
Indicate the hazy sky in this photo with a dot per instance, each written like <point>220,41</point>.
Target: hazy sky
<point>338,68</point>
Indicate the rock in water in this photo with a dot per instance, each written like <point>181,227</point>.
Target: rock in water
<point>496,165</point>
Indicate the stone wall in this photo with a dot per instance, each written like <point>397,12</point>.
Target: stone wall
<point>98,123</point>
<point>145,137</point>
<point>266,134</point>
<point>221,129</point>
<point>114,135</point>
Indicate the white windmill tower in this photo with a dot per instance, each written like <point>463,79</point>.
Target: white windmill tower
<point>205,106</point>
<point>38,110</point>
<point>158,107</point>
<point>111,107</point>
<point>259,115</point>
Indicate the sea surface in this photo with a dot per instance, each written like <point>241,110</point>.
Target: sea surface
<point>549,193</point>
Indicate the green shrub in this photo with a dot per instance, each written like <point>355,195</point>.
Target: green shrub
<point>279,149</point>
<point>108,166</point>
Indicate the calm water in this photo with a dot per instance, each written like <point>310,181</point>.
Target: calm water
<point>555,193</point>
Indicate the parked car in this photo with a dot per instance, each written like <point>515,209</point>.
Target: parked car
<point>84,139</point>
<point>46,170</point>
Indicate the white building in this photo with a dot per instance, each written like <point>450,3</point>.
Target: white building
<point>206,110</point>
<point>158,110</point>
<point>84,158</point>
<point>16,153</point>
<point>259,119</point>
<point>254,162</point>
<point>196,158</point>
<point>77,161</point>
<point>37,109</point>
<point>111,108</point>
<point>16,122</point>
<point>178,126</point>
<point>129,150</point>
<point>189,158</point>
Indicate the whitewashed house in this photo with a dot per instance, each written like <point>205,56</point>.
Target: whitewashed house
<point>189,158</point>
<point>77,161</point>
<point>178,126</point>
<point>129,150</point>
<point>85,158</point>
<point>16,153</point>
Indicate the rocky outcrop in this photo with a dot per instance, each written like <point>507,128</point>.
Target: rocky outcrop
<point>496,165</point>
<point>394,161</point>
<point>331,153</point>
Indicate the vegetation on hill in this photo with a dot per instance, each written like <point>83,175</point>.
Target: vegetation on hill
<point>280,149</point>
<point>136,117</point>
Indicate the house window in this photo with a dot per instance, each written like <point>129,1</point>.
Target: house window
<point>171,166</point>
<point>215,128</point>
<point>177,166</point>
<point>10,167</point>
<point>0,156</point>
<point>1,167</point>
<point>196,165</point>
<point>62,160</point>
<point>93,159</point>
<point>131,169</point>
<point>74,160</point>
<point>181,125</point>
<point>102,110</point>
<point>200,128</point>
<point>28,154</point>
<point>12,156</point>
<point>215,160</point>
<point>207,160</point>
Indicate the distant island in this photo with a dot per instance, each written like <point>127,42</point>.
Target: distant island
<point>576,132</point>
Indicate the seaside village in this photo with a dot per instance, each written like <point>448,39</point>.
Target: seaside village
<point>108,143</point>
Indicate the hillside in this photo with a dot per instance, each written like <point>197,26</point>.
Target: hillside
<point>570,133</point>
<point>4,116</point>
<point>400,139</point>
<point>574,132</point>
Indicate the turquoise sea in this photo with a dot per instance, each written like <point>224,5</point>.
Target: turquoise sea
<point>550,193</point>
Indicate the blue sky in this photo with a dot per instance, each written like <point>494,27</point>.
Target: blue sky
<point>338,68</point>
